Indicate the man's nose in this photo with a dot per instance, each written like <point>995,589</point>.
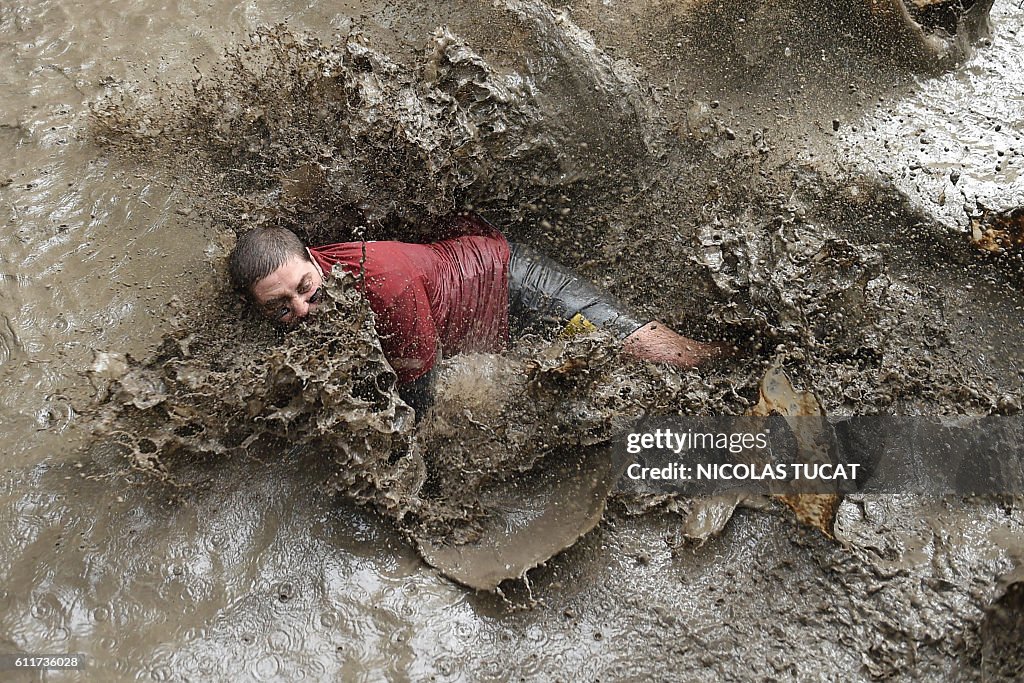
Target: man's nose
<point>301,307</point>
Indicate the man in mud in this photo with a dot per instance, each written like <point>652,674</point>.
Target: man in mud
<point>455,295</point>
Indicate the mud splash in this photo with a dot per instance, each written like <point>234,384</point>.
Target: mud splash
<point>233,386</point>
<point>326,138</point>
<point>341,141</point>
<point>230,386</point>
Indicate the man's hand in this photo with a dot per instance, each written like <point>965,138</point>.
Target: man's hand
<point>657,343</point>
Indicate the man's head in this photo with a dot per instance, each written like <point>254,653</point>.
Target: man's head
<point>273,268</point>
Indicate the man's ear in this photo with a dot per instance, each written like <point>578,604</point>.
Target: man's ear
<point>309,257</point>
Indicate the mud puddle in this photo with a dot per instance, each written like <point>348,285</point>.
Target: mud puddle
<point>725,223</point>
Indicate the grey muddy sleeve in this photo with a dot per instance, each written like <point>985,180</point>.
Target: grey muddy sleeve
<point>545,293</point>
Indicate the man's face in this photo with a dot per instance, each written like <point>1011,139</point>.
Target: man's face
<point>291,292</point>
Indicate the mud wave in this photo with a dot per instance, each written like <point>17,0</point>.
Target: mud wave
<point>326,139</point>
<point>233,386</point>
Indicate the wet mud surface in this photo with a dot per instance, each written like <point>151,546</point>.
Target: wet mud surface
<point>200,494</point>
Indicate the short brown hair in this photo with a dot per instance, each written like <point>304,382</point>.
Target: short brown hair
<point>260,252</point>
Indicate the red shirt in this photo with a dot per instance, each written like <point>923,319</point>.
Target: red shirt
<point>450,296</point>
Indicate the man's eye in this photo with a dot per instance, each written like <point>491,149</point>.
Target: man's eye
<point>282,312</point>
<point>315,298</point>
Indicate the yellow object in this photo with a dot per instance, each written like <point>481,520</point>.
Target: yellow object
<point>577,326</point>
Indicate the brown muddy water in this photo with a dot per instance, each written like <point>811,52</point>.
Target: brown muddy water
<point>794,181</point>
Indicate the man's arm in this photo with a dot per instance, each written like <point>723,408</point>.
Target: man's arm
<point>541,289</point>
<point>656,342</point>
